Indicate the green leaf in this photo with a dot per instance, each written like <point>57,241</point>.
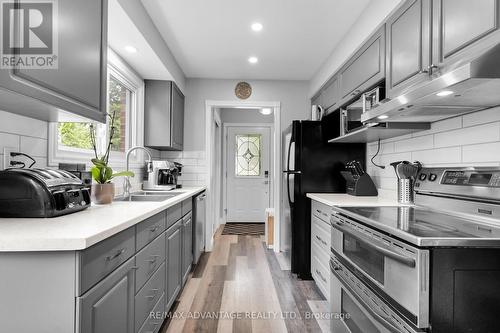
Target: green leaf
<point>108,174</point>
<point>96,174</point>
<point>123,174</point>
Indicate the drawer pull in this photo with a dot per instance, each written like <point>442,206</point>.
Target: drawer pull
<point>155,257</point>
<point>135,268</point>
<point>321,276</point>
<point>155,228</point>
<point>322,241</point>
<point>116,255</point>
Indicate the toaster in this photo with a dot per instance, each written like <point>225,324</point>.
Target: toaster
<point>41,193</point>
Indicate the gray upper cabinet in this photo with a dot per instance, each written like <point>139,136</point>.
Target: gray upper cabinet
<point>78,85</point>
<point>408,46</point>
<point>330,95</point>
<point>364,69</point>
<point>461,28</point>
<point>109,306</point>
<point>163,115</point>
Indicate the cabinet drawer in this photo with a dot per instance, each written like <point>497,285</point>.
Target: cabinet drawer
<point>174,213</point>
<point>148,260</point>
<point>153,325</point>
<point>187,206</point>
<point>320,271</point>
<point>101,259</point>
<point>321,211</point>
<point>149,229</point>
<point>320,234</point>
<point>148,296</point>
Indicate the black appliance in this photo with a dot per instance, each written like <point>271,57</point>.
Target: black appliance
<point>79,170</point>
<point>41,193</point>
<point>311,165</point>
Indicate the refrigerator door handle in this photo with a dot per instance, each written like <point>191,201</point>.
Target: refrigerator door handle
<point>288,154</point>
<point>292,172</point>
<point>290,202</point>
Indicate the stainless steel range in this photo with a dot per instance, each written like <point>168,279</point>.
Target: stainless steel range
<point>432,267</point>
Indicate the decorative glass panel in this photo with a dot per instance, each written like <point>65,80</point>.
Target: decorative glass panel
<point>248,154</point>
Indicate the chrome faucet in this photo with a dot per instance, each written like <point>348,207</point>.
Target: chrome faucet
<point>149,168</point>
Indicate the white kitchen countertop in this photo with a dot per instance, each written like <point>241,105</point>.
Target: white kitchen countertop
<point>81,230</point>
<point>342,199</point>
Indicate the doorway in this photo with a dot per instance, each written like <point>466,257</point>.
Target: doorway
<point>247,172</point>
<point>215,201</point>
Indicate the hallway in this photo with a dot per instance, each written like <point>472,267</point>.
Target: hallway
<point>241,287</point>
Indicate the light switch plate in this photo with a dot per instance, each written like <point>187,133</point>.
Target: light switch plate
<point>6,156</point>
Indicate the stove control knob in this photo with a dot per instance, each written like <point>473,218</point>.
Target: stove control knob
<point>422,177</point>
<point>432,177</point>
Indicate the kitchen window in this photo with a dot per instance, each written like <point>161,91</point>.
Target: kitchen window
<point>69,139</point>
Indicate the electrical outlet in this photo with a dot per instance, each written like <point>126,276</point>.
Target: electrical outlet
<point>6,156</point>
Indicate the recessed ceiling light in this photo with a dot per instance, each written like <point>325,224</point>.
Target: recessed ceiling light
<point>383,117</point>
<point>253,60</point>
<point>266,111</point>
<point>257,26</point>
<point>130,49</point>
<point>444,93</point>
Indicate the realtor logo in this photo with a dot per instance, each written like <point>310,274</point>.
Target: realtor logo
<point>29,34</point>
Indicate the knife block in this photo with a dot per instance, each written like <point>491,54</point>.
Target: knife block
<point>359,186</point>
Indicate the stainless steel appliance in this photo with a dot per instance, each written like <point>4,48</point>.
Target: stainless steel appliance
<point>471,86</point>
<point>199,225</point>
<point>412,268</point>
<point>164,176</point>
<point>41,193</point>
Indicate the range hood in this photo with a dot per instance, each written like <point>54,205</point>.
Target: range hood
<point>380,131</point>
<point>469,87</point>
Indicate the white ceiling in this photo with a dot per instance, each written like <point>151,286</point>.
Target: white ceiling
<point>213,39</point>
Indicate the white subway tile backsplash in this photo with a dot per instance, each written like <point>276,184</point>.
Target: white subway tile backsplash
<point>34,146</point>
<point>419,143</point>
<point>9,141</point>
<point>434,156</point>
<point>15,124</point>
<point>487,152</point>
<point>468,135</point>
<point>441,126</point>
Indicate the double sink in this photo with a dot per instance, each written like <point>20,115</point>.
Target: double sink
<point>155,196</point>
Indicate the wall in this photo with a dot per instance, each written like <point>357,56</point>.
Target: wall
<point>369,20</point>
<point>295,104</point>
<point>469,140</point>
<point>245,116</point>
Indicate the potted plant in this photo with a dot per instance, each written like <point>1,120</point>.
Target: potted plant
<point>103,190</point>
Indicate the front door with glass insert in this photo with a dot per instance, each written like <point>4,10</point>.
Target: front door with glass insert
<point>248,173</point>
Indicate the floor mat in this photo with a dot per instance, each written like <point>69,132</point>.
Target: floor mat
<point>254,229</point>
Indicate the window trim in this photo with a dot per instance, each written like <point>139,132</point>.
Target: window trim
<point>119,69</point>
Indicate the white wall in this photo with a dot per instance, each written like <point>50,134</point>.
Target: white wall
<point>369,20</point>
<point>469,140</point>
<point>245,116</point>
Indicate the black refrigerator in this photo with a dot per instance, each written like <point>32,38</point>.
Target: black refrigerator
<point>311,165</point>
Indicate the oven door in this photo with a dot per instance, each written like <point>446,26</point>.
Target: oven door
<point>357,309</point>
<point>398,270</point>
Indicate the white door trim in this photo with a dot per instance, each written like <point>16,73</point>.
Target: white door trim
<point>224,159</point>
<point>210,106</point>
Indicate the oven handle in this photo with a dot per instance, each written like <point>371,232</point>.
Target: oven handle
<point>408,261</point>
<point>382,319</point>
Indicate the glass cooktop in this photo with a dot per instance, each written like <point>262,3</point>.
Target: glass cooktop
<point>421,223</point>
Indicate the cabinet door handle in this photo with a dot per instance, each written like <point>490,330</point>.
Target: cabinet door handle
<point>321,240</point>
<point>431,68</point>
<point>116,255</point>
<point>155,257</point>
<point>155,291</point>
<point>356,92</point>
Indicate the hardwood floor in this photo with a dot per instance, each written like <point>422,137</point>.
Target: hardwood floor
<point>244,287</point>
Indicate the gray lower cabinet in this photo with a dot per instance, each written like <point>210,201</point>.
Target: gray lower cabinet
<point>364,69</point>
<point>408,34</point>
<point>78,84</point>
<point>109,306</point>
<point>174,263</point>
<point>187,245</point>
<point>163,115</point>
<point>461,28</point>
